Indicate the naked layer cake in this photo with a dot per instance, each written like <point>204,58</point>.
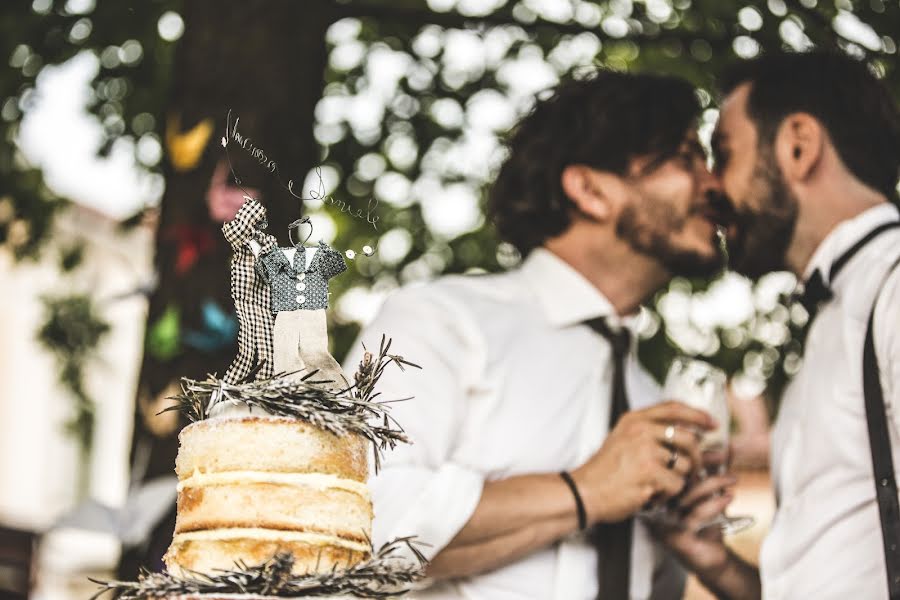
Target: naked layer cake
<point>252,486</point>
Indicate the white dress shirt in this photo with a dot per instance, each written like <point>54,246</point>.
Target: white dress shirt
<point>511,384</point>
<point>825,541</point>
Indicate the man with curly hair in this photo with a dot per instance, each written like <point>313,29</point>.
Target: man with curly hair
<point>537,436</point>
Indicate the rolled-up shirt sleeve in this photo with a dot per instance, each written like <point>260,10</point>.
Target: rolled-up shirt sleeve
<point>422,489</point>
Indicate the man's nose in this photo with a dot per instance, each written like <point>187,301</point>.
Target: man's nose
<point>710,182</point>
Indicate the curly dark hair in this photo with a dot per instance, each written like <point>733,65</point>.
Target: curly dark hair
<point>604,120</point>
<point>856,108</point>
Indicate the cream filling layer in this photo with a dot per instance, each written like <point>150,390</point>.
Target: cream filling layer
<point>320,481</point>
<point>258,533</point>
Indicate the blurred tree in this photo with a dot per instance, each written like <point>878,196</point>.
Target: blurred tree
<point>263,60</point>
<point>401,102</point>
<point>417,100</point>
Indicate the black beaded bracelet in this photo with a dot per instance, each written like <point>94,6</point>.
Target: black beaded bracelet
<point>579,503</point>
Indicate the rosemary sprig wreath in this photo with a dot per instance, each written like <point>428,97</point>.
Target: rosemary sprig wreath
<point>383,576</point>
<point>353,409</point>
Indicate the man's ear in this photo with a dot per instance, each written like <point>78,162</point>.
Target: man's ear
<point>799,146</point>
<point>589,190</point>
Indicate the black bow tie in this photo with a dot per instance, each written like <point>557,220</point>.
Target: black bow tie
<point>815,293</point>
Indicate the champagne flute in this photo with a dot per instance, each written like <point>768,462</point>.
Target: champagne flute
<point>701,385</point>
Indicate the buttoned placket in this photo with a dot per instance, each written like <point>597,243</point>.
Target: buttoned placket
<point>301,287</point>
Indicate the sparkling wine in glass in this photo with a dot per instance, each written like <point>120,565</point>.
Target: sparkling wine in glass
<point>701,385</point>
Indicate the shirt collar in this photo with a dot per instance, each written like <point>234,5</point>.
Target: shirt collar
<point>564,295</point>
<point>842,237</point>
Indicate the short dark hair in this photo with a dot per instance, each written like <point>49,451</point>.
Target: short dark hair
<point>604,119</point>
<point>851,103</point>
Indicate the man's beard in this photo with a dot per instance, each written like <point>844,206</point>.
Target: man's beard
<point>763,236</point>
<point>649,227</point>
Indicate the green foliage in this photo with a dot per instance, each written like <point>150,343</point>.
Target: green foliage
<point>765,348</point>
<point>71,257</point>
<point>163,336</point>
<point>26,208</point>
<point>129,91</point>
<point>72,330</point>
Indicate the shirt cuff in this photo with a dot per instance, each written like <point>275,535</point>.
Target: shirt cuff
<point>431,504</point>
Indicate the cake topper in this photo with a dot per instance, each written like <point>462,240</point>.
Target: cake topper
<point>251,294</point>
<point>297,278</point>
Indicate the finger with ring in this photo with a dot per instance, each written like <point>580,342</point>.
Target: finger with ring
<point>669,433</point>
<point>672,436</point>
<point>673,458</point>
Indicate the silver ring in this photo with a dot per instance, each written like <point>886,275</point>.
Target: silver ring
<point>673,458</point>
<point>669,433</point>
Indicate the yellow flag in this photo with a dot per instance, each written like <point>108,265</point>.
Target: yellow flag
<point>186,147</point>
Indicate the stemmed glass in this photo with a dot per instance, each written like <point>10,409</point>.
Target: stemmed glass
<point>702,386</point>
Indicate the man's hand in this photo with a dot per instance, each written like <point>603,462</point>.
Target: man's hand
<point>616,482</point>
<point>703,550</point>
<point>633,465</point>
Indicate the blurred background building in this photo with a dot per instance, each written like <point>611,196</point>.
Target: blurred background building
<point>393,111</point>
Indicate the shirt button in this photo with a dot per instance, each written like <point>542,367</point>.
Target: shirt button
<point>301,287</point>
<point>301,276</point>
<point>301,299</point>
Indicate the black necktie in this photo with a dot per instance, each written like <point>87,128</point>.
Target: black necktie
<point>613,540</point>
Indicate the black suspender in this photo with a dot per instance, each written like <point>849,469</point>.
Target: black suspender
<point>882,458</point>
<point>842,260</point>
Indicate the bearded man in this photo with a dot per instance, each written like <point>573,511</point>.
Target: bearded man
<point>808,150</point>
<point>537,436</point>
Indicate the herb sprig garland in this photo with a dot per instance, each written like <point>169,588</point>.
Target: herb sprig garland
<point>353,409</point>
<point>384,575</point>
